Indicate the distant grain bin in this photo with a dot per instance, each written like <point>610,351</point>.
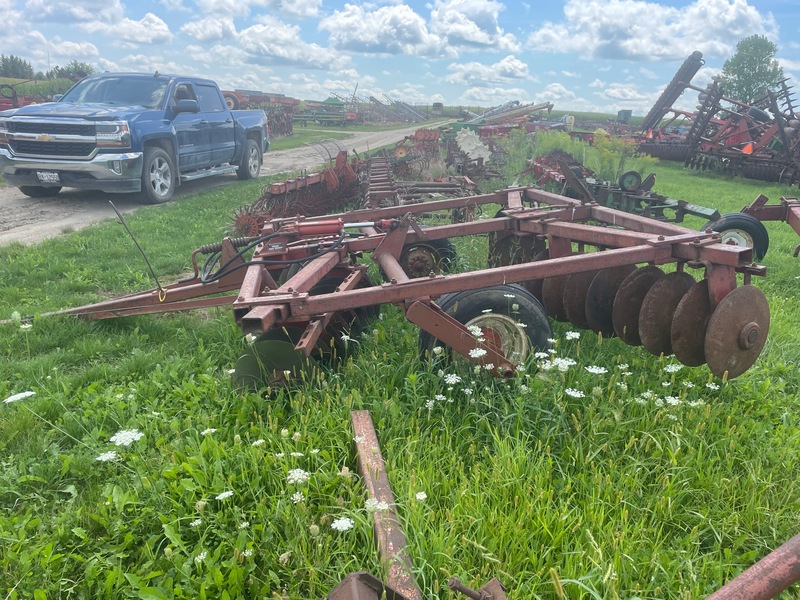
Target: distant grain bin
<point>624,116</point>
<point>437,109</point>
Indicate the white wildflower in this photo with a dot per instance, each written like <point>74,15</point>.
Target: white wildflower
<point>283,559</point>
<point>296,436</point>
<point>314,451</point>
<point>477,353</point>
<point>475,330</point>
<point>429,404</point>
<point>298,497</point>
<point>666,383</point>
<point>467,391</point>
<point>297,476</point>
<point>196,523</point>
<point>200,557</point>
<point>284,433</point>
<point>250,338</point>
<point>208,431</point>
<point>247,553</point>
<point>244,524</point>
<point>421,496</point>
<point>452,379</point>
<point>542,355</point>
<point>623,366</point>
<point>712,386</point>
<point>488,366</point>
<point>673,368</point>
<point>296,454</point>
<point>672,400</point>
<point>688,384</point>
<point>109,456</point>
<point>224,495</point>
<point>126,437</point>
<point>595,370</point>
<point>437,350</point>
<point>552,340</point>
<point>440,397</point>
<point>572,335</point>
<point>279,455</point>
<point>342,524</point>
<point>259,442</point>
<point>373,505</point>
<point>574,393</point>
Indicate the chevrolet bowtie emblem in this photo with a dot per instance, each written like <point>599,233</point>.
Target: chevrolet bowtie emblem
<point>43,137</point>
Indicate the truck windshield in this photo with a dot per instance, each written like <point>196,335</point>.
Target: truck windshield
<point>143,91</point>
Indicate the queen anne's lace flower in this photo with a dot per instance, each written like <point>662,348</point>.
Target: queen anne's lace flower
<point>126,437</point>
<point>297,476</point>
<point>342,524</point>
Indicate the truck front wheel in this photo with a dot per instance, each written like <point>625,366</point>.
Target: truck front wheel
<point>158,176</point>
<point>39,191</point>
<point>250,166</point>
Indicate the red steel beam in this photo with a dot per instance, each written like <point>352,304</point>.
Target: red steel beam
<point>388,533</point>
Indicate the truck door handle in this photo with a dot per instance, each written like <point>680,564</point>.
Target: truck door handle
<point>203,123</point>
<point>229,120</point>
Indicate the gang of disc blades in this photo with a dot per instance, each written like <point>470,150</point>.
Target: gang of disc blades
<point>737,331</point>
<point>270,363</point>
<point>600,298</point>
<point>658,308</point>
<point>689,323</point>
<point>575,291</point>
<point>628,302</point>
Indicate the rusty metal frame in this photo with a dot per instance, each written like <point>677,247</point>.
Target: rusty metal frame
<point>619,238</point>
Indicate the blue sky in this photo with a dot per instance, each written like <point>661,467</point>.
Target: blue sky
<point>579,54</point>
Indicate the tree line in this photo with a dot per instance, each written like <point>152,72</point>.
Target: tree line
<point>19,68</point>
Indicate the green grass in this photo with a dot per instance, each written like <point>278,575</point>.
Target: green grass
<point>646,480</point>
<point>317,133</point>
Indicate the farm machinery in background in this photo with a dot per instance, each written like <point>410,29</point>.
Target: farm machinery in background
<point>758,141</point>
<point>10,98</point>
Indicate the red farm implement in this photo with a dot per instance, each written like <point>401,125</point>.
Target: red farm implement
<point>301,284</point>
<point>759,140</point>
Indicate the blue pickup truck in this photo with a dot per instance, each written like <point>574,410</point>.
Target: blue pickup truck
<point>130,132</point>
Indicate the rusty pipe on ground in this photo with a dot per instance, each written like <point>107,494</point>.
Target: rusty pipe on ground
<point>767,578</point>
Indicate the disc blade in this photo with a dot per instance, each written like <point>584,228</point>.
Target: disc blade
<point>689,323</point>
<point>600,298</point>
<point>575,292</point>
<point>628,303</point>
<point>658,308</point>
<point>270,363</point>
<point>553,297</point>
<point>737,331</point>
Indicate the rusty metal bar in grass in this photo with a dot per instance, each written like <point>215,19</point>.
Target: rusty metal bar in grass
<point>388,533</point>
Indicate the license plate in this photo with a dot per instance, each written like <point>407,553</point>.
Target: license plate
<point>48,177</point>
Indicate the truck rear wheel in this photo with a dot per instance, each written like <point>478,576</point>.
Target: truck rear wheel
<point>38,191</point>
<point>250,166</point>
<point>158,176</point>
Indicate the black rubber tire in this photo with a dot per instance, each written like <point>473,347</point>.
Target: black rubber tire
<point>250,165</point>
<point>158,176</point>
<point>232,101</point>
<point>759,115</point>
<point>39,191</point>
<point>470,305</point>
<point>743,230</point>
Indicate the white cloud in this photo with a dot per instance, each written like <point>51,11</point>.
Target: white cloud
<point>597,83</point>
<point>150,29</point>
<point>274,43</point>
<point>638,30</point>
<point>471,25</point>
<point>388,30</point>
<point>485,96</point>
<point>623,92</point>
<point>555,92</point>
<point>210,29</point>
<point>482,75</point>
<point>106,11</point>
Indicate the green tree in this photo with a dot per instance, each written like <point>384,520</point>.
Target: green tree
<point>14,66</point>
<point>75,71</point>
<point>752,70</point>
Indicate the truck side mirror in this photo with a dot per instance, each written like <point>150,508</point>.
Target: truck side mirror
<point>57,97</point>
<point>186,106</point>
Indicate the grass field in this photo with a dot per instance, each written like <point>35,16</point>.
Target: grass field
<point>132,469</point>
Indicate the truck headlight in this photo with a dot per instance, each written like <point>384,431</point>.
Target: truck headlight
<point>113,135</point>
<point>3,132</point>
